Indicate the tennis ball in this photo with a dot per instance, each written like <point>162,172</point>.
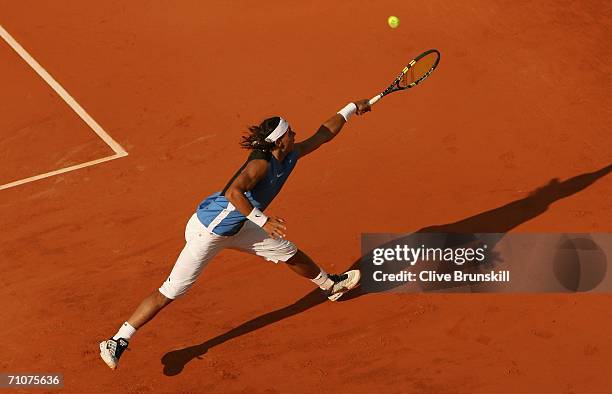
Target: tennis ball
<point>393,21</point>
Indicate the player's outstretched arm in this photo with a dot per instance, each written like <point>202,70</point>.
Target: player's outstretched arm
<point>331,127</point>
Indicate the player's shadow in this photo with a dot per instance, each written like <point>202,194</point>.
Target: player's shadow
<point>498,220</point>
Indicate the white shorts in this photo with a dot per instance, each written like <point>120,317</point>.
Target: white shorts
<point>202,245</point>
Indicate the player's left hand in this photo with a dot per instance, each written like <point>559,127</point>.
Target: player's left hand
<point>275,227</point>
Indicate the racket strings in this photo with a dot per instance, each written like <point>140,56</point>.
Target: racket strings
<point>421,69</point>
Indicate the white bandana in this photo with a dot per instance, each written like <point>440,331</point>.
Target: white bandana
<point>279,131</point>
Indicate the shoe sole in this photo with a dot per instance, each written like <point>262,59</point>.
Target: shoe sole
<point>105,357</point>
<point>350,286</point>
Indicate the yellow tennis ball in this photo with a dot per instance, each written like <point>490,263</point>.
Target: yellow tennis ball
<point>393,21</point>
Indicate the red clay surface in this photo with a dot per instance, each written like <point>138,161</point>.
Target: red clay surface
<point>521,96</point>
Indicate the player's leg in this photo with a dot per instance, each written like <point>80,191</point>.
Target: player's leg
<point>200,248</point>
<point>303,265</point>
<point>333,285</point>
<point>253,239</point>
<point>148,308</point>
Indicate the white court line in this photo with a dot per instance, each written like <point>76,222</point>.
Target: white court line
<point>68,99</point>
<point>60,171</point>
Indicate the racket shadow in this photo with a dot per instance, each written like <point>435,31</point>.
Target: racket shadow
<point>498,220</point>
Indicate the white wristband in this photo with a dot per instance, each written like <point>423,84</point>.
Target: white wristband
<point>348,111</point>
<point>257,217</point>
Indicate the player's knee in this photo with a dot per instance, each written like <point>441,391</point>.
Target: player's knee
<point>289,250</point>
<point>161,299</point>
<point>295,256</point>
<point>284,251</point>
<point>171,290</point>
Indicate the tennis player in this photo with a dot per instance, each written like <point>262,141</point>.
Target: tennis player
<point>234,218</point>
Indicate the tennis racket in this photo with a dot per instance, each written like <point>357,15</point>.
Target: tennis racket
<point>413,74</point>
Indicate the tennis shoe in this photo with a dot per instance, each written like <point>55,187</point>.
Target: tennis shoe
<point>343,283</point>
<point>111,350</point>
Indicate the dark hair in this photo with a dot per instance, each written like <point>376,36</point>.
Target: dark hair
<point>256,138</point>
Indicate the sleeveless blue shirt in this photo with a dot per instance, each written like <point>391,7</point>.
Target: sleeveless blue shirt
<point>222,218</point>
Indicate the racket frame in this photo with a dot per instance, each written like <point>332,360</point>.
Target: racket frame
<point>395,87</point>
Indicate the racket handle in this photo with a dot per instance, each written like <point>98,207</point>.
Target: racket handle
<point>374,99</point>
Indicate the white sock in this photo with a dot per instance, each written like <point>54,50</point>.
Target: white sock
<point>126,331</point>
<point>323,281</point>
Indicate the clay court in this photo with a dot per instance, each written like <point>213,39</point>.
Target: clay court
<point>521,97</point>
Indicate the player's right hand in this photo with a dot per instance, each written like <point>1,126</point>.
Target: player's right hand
<point>275,227</point>
<point>363,106</point>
